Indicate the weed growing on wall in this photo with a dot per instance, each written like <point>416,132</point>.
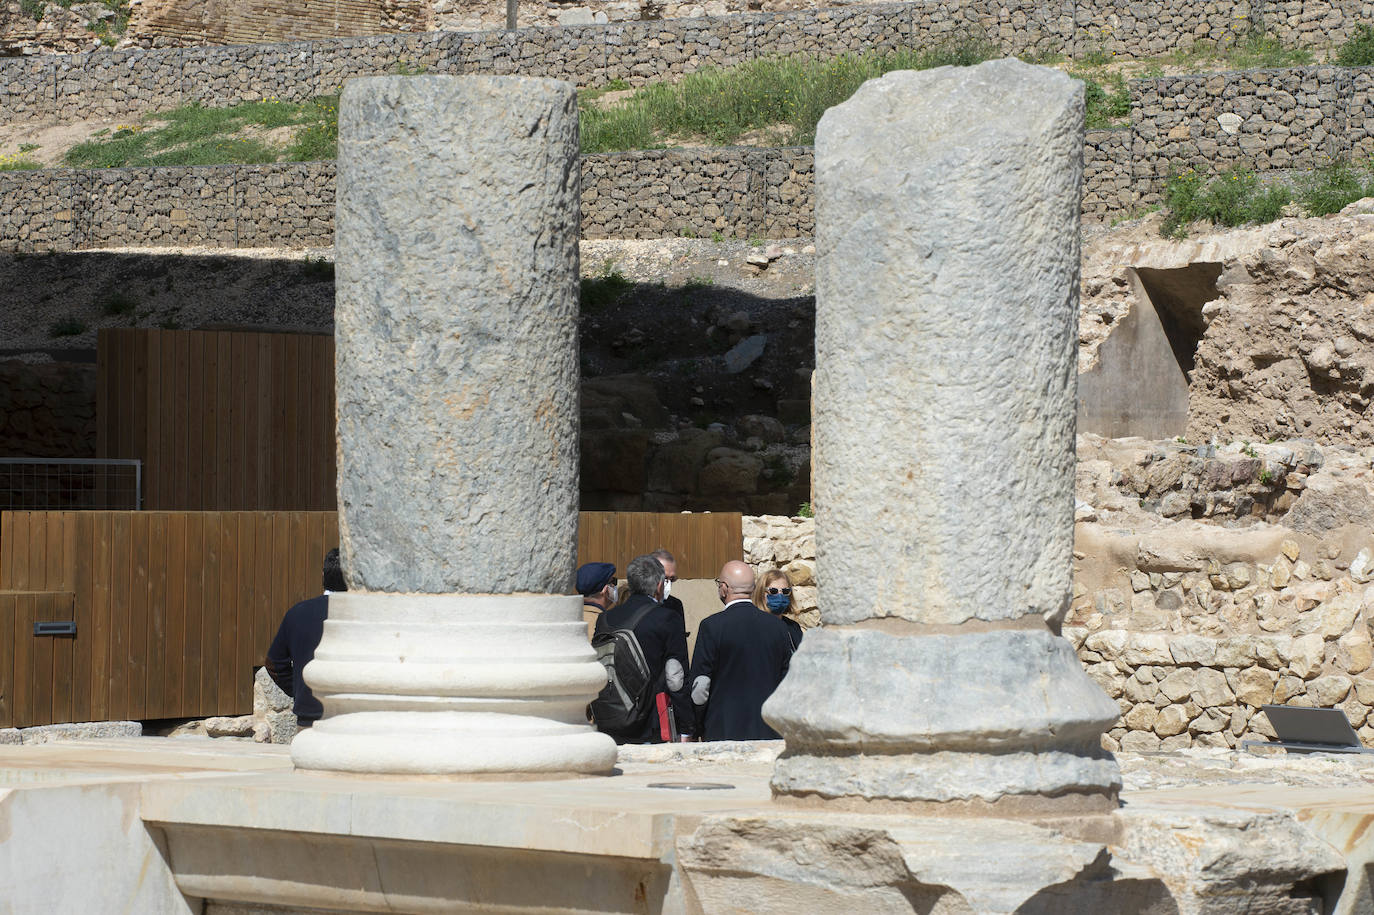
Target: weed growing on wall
<point>195,135</point>
<point>1107,106</point>
<point>68,326</point>
<point>720,105</point>
<point>1233,198</point>
<point>1358,50</point>
<point>1333,187</point>
<point>15,162</point>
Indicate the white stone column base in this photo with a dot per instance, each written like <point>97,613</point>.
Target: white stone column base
<point>454,684</point>
<point>1006,717</point>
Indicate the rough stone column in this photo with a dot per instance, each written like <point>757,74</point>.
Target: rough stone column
<point>946,315</point>
<point>457,648</point>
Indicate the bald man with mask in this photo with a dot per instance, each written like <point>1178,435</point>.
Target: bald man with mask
<point>741,656</point>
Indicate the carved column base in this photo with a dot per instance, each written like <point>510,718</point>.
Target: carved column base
<point>423,684</point>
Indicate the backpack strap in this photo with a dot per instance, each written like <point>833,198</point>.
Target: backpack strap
<point>638,617</point>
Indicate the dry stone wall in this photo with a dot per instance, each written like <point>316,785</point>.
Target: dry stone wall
<point>50,87</point>
<point>1276,121</point>
<point>1261,591</point>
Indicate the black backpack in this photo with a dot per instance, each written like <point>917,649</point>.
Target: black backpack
<point>628,696</point>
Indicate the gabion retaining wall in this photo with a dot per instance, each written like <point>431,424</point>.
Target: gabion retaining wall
<point>115,83</point>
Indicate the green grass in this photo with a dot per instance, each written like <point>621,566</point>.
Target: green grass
<point>1358,50</point>
<point>68,326</point>
<point>1254,49</point>
<point>1332,188</point>
<point>600,292</point>
<point>721,105</point>
<point>1107,106</point>
<point>17,162</point>
<point>1232,198</point>
<point>194,135</point>
<point>1237,197</point>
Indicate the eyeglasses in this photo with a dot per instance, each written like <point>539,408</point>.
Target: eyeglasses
<point>779,590</point>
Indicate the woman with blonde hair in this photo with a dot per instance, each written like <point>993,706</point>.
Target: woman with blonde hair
<point>774,593</point>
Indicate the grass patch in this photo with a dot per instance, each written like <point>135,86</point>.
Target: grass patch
<point>317,269</point>
<point>1255,49</point>
<point>117,303</point>
<point>195,135</point>
<point>1358,50</point>
<point>68,326</point>
<point>1107,105</point>
<point>600,292</point>
<point>1233,198</point>
<point>721,105</point>
<point>1334,187</point>
<point>17,162</point>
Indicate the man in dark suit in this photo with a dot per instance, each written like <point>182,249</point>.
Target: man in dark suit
<point>664,644</point>
<point>296,641</point>
<point>742,655</point>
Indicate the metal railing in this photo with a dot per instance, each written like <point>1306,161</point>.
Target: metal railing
<point>70,484</point>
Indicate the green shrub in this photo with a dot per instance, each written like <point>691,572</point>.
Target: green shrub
<point>1358,50</point>
<point>1105,107</point>
<point>721,104</point>
<point>804,511</point>
<point>67,326</point>
<point>1334,187</point>
<point>117,302</point>
<point>1230,199</point>
<point>599,292</point>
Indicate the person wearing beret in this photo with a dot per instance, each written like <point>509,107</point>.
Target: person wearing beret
<point>596,584</point>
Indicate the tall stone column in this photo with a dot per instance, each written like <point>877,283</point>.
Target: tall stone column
<point>457,648</point>
<point>947,267</point>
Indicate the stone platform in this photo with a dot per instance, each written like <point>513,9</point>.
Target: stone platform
<point>197,825</point>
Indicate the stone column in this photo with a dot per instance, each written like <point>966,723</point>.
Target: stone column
<point>457,648</point>
<point>946,328</point>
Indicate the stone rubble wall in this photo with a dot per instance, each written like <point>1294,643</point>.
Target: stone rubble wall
<point>136,80</point>
<point>1277,121</point>
<point>1260,591</point>
<point>47,410</point>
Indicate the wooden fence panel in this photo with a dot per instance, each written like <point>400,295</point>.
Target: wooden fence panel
<point>35,668</point>
<point>222,420</point>
<point>701,543</point>
<point>175,609</point>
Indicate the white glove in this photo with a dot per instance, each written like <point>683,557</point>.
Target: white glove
<point>701,690</point>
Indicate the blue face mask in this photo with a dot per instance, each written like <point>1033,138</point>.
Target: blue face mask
<point>777,603</point>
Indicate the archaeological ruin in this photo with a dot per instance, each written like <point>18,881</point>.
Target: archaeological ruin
<point>1068,488</point>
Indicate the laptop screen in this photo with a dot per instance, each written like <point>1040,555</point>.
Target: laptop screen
<point>1312,725</point>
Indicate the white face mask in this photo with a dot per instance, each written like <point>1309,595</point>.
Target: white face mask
<point>614,595</point>
<point>667,588</point>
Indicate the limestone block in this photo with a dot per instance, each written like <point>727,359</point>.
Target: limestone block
<point>1210,689</point>
<point>1355,653</point>
<point>1139,742</point>
<point>85,730</point>
<point>1109,643</point>
<point>1305,656</point>
<point>1193,649</point>
<point>1140,718</point>
<point>1255,686</point>
<point>1364,689</point>
<point>456,322</point>
<point>1147,648</point>
<point>10,736</point>
<point>1179,685</point>
<point>950,319</point>
<point>1288,686</point>
<point>268,696</point>
<point>1327,691</point>
<point>1171,720</point>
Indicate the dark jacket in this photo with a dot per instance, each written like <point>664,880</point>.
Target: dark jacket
<point>794,631</point>
<point>745,651</point>
<point>662,638</point>
<point>293,648</point>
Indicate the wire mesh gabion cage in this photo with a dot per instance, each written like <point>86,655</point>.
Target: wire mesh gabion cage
<point>57,484</point>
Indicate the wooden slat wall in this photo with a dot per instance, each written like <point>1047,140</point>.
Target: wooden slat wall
<point>173,609</point>
<point>701,543</point>
<point>223,421</point>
